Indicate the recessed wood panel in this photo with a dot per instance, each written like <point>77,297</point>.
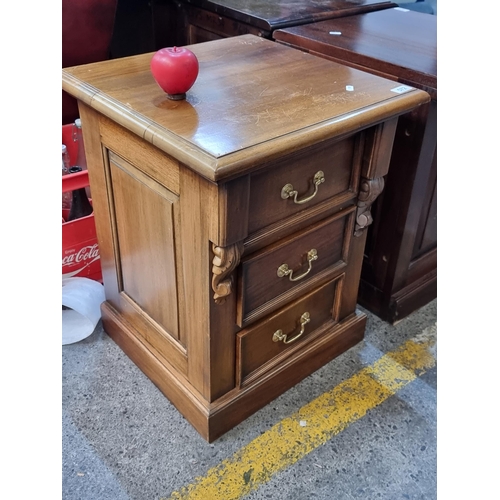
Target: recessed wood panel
<point>146,239</point>
<point>426,238</point>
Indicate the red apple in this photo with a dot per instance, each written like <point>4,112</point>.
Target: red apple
<point>175,70</point>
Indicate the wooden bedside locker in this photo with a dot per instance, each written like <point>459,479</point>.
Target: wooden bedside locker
<point>231,225</point>
<point>400,265</point>
<point>203,20</point>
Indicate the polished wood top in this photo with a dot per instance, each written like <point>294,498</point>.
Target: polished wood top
<point>273,14</point>
<point>396,42</point>
<point>254,100</point>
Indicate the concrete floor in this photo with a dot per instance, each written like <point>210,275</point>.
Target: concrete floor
<point>123,440</point>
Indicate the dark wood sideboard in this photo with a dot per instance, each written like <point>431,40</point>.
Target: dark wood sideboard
<point>232,224</point>
<point>203,20</point>
<point>400,264</point>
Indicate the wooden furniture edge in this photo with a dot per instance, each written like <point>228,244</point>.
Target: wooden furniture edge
<point>233,14</point>
<point>399,305</point>
<point>239,162</point>
<point>413,297</point>
<point>362,62</point>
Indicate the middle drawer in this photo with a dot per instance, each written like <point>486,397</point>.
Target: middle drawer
<point>270,278</point>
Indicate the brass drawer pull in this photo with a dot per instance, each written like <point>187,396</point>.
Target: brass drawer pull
<point>284,270</point>
<point>287,191</point>
<point>280,336</point>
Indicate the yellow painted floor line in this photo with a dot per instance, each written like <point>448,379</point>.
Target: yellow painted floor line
<point>314,424</point>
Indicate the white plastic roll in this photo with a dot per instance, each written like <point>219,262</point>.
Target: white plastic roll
<point>83,297</point>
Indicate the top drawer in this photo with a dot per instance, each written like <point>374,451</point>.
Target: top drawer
<point>303,180</point>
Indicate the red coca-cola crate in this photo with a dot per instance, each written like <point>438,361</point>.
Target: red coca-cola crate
<point>80,251</point>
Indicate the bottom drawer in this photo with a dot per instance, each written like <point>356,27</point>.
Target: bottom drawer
<point>279,336</point>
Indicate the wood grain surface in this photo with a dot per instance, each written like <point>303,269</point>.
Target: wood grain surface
<point>253,99</point>
<point>273,14</point>
<point>399,43</point>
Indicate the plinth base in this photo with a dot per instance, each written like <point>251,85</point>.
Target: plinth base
<point>214,419</point>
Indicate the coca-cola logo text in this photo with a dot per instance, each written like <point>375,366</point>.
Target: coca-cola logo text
<point>85,253</point>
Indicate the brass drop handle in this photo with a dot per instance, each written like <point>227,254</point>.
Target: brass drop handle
<point>284,270</point>
<point>287,191</point>
<point>280,336</point>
